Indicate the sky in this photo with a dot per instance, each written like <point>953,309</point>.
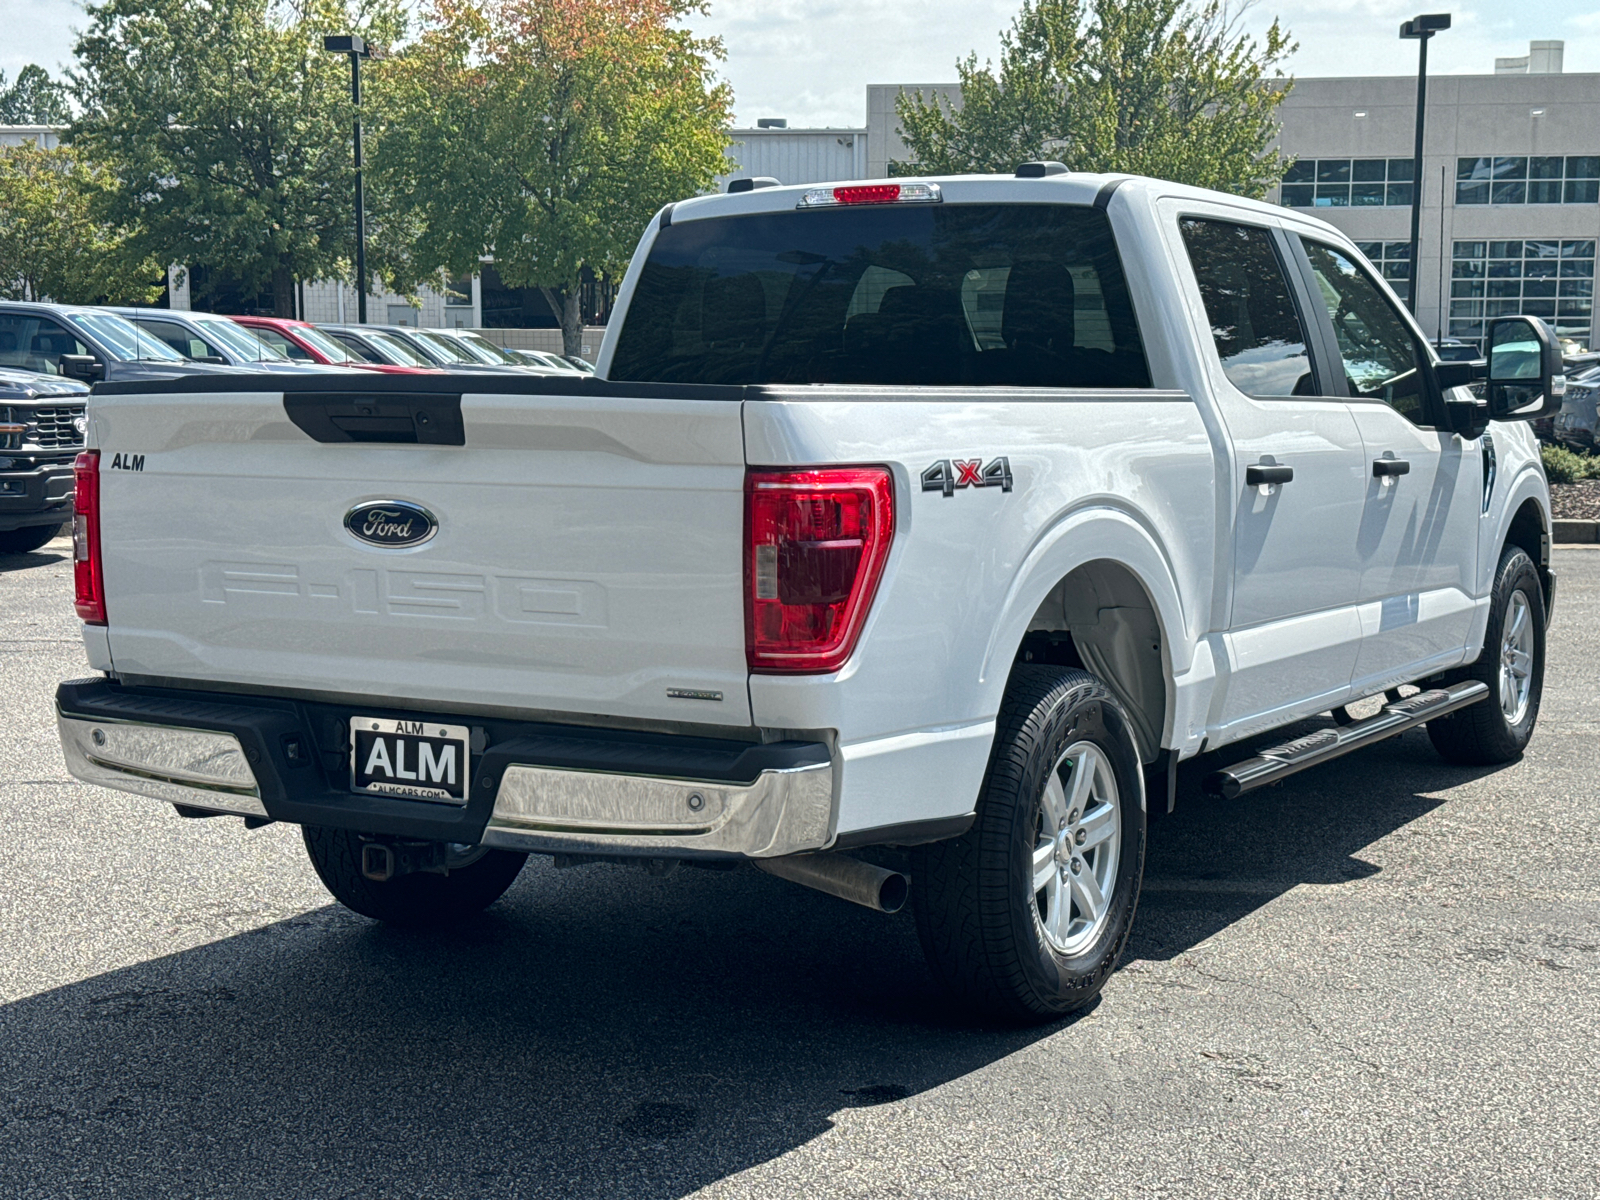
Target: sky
<point>810,60</point>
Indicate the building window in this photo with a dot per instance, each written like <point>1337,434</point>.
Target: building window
<point>1347,183</point>
<point>1393,260</point>
<point>1537,277</point>
<point>1541,179</point>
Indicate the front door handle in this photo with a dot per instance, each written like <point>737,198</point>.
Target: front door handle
<point>1382,467</point>
<point>1257,475</point>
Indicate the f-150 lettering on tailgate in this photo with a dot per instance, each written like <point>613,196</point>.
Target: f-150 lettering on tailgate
<point>524,599</point>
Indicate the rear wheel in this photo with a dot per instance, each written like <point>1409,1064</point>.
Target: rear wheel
<point>1497,729</point>
<point>1025,916</point>
<point>473,878</point>
<point>25,541</point>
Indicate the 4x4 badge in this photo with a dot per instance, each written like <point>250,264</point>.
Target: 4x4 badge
<point>948,474</point>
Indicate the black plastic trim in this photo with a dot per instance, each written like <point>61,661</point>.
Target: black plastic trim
<point>908,833</point>
<point>666,216</point>
<point>1102,198</point>
<point>442,384</point>
<point>314,790</point>
<point>378,417</point>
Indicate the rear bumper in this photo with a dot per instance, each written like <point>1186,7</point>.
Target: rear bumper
<point>34,492</point>
<point>546,788</point>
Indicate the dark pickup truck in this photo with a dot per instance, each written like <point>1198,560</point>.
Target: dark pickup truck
<point>41,432</point>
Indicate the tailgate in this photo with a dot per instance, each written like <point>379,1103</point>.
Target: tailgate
<point>586,556</point>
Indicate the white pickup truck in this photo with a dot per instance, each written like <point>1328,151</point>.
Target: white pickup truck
<point>947,514</point>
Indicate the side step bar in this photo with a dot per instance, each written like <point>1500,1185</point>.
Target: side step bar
<point>1280,762</point>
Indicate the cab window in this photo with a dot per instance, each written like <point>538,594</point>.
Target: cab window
<point>1254,322</point>
<point>35,343</point>
<point>1382,359</point>
<point>1003,295</point>
<point>282,344</point>
<point>180,339</point>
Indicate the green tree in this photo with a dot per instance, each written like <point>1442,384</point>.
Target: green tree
<point>1146,87</point>
<point>546,133</point>
<point>53,245</point>
<point>34,99</point>
<point>228,128</point>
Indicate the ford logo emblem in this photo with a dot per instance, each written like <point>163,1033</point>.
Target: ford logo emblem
<point>391,523</point>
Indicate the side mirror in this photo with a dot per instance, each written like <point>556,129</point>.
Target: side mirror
<point>216,360</point>
<point>1526,375</point>
<point>84,367</point>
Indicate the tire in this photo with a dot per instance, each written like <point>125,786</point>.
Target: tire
<point>414,900</point>
<point>987,932</point>
<point>26,541</point>
<point>1496,730</point>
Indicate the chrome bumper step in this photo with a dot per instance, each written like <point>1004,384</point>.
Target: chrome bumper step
<point>1280,762</point>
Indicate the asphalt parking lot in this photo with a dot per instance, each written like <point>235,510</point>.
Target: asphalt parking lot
<point>1381,978</point>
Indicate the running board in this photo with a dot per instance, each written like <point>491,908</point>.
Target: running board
<point>1280,762</point>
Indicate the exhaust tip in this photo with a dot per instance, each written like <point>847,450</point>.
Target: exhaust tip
<point>892,892</point>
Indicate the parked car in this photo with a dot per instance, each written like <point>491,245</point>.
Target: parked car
<point>485,351</point>
<point>582,364</point>
<point>41,432</point>
<point>940,516</point>
<point>303,342</point>
<point>213,338</point>
<point>1455,350</point>
<point>1575,425</point>
<point>448,353</point>
<point>87,344</point>
<point>380,344</point>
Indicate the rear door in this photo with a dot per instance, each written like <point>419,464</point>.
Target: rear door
<point>585,553</point>
<point>1292,635</point>
<point>1418,544</point>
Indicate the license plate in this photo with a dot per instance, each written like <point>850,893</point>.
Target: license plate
<point>421,760</point>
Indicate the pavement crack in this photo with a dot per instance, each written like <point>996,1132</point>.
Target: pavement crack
<point>1299,1010</point>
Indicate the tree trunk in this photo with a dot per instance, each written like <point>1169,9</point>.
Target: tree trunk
<point>282,292</point>
<point>565,302</point>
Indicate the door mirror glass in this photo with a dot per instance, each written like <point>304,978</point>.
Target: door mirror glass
<point>1526,377</point>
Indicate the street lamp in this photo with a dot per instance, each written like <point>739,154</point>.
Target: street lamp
<point>1422,30</point>
<point>357,48</point>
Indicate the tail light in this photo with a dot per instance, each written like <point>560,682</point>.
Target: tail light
<point>88,582</point>
<point>815,543</point>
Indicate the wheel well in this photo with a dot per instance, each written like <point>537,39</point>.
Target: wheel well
<point>1101,618</point>
<point>1528,531</point>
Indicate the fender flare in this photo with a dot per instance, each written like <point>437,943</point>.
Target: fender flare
<point>1092,532</point>
<point>1528,485</point>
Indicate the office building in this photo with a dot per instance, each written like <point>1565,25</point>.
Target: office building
<point>1510,181</point>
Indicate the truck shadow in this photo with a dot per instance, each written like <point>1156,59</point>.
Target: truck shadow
<point>34,558</point>
<point>600,1032</point>
<point>1212,862</point>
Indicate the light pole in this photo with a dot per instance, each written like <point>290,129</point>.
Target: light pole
<point>1422,29</point>
<point>357,49</point>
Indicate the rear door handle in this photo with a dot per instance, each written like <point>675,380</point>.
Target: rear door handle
<point>1255,476</point>
<point>1382,467</point>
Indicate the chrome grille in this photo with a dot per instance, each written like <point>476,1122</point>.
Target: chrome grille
<point>52,428</point>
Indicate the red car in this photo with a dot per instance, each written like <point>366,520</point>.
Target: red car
<point>304,342</point>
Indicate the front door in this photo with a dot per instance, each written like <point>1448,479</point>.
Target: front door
<point>1423,485</point>
<point>1293,633</point>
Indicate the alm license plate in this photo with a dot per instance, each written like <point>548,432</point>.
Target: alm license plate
<point>421,760</point>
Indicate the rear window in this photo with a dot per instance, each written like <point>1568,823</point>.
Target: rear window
<point>1028,295</point>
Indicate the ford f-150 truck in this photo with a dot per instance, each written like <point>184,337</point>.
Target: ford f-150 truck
<point>937,514</point>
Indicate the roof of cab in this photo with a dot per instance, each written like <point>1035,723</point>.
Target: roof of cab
<point>1071,187</point>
